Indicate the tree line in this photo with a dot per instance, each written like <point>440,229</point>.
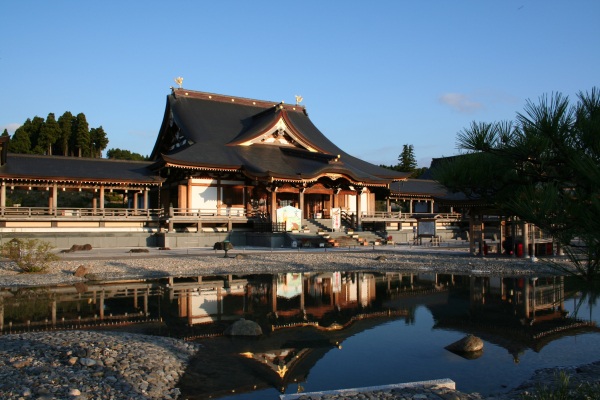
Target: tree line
<point>69,135</point>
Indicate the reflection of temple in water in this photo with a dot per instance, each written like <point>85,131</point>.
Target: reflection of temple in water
<point>77,306</point>
<point>516,313</point>
<point>304,315</point>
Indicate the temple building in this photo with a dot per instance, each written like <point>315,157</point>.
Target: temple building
<point>223,156</point>
<point>219,163</point>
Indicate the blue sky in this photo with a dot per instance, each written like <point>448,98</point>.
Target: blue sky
<point>374,75</point>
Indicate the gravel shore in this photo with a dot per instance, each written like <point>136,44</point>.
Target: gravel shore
<point>113,365</point>
<point>118,264</point>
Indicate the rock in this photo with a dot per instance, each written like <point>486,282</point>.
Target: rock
<point>241,256</point>
<point>381,258</point>
<point>88,362</point>
<point>72,360</point>
<point>22,363</point>
<point>80,271</point>
<point>244,327</point>
<point>468,344</point>
<point>74,392</point>
<point>139,250</point>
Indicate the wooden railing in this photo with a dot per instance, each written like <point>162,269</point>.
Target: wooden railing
<point>200,212</point>
<point>78,213</point>
<point>400,215</point>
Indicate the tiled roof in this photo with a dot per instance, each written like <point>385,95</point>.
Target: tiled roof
<point>60,168</point>
<point>211,129</point>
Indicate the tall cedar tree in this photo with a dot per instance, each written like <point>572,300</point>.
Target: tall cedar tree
<point>408,163</point>
<point>66,122</point>
<point>49,133</point>
<point>98,141</point>
<point>80,141</point>
<point>20,141</point>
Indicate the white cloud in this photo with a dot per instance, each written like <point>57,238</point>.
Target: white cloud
<point>11,128</point>
<point>460,102</point>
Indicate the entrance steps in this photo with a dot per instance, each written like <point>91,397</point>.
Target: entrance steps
<point>316,225</point>
<point>337,239</point>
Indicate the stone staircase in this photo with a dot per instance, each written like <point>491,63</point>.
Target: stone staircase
<point>339,239</point>
<point>317,233</point>
<point>316,225</point>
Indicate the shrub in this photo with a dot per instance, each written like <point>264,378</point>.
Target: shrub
<point>30,255</point>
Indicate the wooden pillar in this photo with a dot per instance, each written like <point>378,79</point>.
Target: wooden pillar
<point>182,196</point>
<point>135,201</point>
<point>101,305</point>
<point>302,292</point>
<point>274,293</point>
<point>431,207</point>
<point>388,205</point>
<point>472,233</point>
<point>481,228</point>
<point>301,204</point>
<point>273,206</point>
<point>219,302</point>
<point>410,206</point>
<point>358,210</point>
<point>190,310</point>
<point>54,198</point>
<point>53,313</point>
<point>101,197</point>
<point>525,239</point>
<point>3,195</point>
<point>146,199</point>
<point>188,199</point>
<point>219,196</point>
<point>146,295</point>
<point>533,243</point>
<point>171,215</point>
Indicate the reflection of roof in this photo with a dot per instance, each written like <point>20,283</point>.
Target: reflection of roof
<point>208,131</point>
<point>92,170</point>
<point>517,339</point>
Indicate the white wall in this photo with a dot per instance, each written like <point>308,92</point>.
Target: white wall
<point>204,197</point>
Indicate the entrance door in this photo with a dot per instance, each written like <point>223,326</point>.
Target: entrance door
<point>317,206</point>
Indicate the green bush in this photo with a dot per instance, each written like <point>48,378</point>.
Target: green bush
<point>30,255</point>
<point>564,390</point>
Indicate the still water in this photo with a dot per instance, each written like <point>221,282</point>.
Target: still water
<point>324,331</point>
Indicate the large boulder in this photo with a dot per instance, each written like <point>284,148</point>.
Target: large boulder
<point>243,327</point>
<point>468,345</point>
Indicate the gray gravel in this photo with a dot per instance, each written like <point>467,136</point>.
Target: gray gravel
<point>118,264</point>
<point>91,365</point>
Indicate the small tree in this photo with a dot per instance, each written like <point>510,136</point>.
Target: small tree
<point>98,141</point>
<point>408,163</point>
<point>30,255</point>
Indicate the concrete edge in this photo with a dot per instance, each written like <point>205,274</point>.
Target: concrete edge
<point>444,383</point>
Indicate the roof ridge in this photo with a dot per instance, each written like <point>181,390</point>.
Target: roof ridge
<point>235,99</point>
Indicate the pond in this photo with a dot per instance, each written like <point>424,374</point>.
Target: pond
<point>332,330</point>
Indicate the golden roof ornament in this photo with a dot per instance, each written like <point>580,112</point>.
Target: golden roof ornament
<point>298,100</point>
<point>179,81</point>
